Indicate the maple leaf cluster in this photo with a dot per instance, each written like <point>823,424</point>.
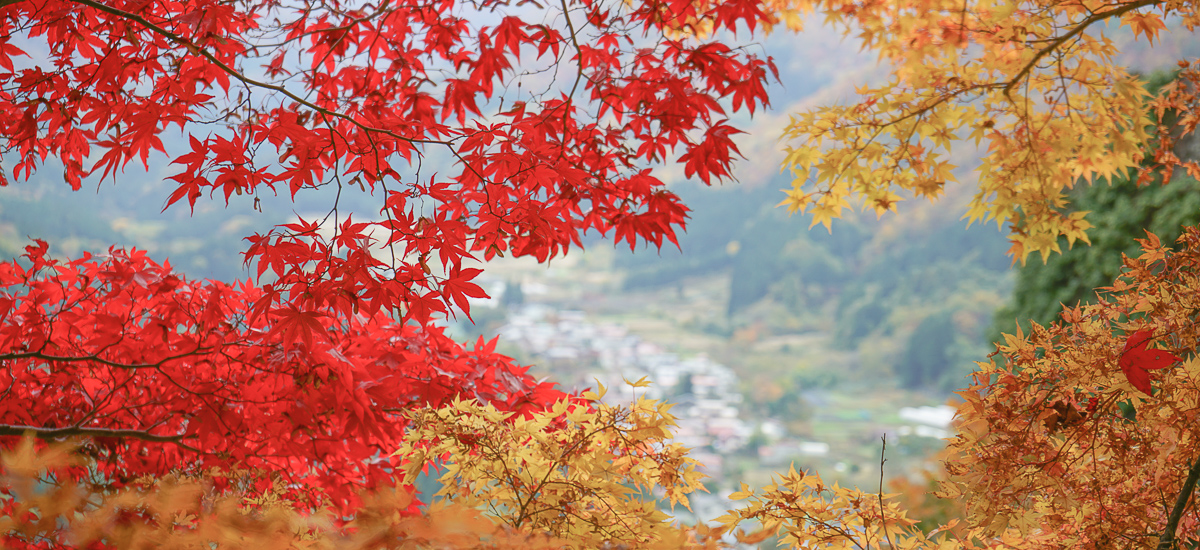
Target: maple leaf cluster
<point>537,126</point>
<point>1083,432</point>
<point>161,373</point>
<point>483,129</point>
<point>1033,85</point>
<point>577,474</point>
<point>1081,436</point>
<point>183,512</point>
<point>591,475</point>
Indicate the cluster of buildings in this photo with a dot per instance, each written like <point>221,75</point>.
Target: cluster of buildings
<point>705,393</point>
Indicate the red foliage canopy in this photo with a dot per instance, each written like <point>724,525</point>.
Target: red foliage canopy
<point>161,372</point>
<point>544,122</point>
<point>311,94</point>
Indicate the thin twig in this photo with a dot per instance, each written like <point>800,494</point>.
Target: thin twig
<point>97,359</point>
<point>882,510</point>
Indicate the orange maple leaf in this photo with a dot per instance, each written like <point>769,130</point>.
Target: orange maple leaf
<point>1137,360</point>
<point>1148,24</point>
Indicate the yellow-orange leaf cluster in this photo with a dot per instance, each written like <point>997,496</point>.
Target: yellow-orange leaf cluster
<point>1031,83</point>
<point>185,513</point>
<point>1057,444</point>
<point>589,474</point>
<point>583,474</point>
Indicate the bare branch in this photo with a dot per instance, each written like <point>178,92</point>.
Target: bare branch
<point>882,510</point>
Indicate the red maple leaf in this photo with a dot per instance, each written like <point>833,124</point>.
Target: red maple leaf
<point>1136,360</point>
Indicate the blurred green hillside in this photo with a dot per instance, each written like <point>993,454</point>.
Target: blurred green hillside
<point>1119,212</point>
<point>908,294</point>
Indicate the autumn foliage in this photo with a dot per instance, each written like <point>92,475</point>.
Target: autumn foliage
<point>573,476</point>
<point>178,512</point>
<point>157,371</point>
<point>1033,85</point>
<point>484,129</point>
<point>283,98</point>
<point>297,409</point>
<point>1084,431</point>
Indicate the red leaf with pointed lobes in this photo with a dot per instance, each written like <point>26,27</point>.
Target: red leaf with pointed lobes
<point>459,100</point>
<point>292,324</point>
<point>713,156</point>
<point>1136,360</point>
<point>457,288</point>
<point>7,52</point>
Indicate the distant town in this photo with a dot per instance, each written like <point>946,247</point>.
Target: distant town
<point>707,396</point>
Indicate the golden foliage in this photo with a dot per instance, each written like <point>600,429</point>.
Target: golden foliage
<point>587,473</point>
<point>1032,83</point>
<point>806,513</point>
<point>186,514</point>
<point>1056,444</point>
<point>583,474</point>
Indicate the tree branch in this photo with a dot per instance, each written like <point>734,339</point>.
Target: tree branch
<point>94,358</point>
<point>882,509</point>
<point>1076,31</point>
<point>195,49</point>
<point>59,433</point>
<point>1167,540</point>
<point>192,47</point>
